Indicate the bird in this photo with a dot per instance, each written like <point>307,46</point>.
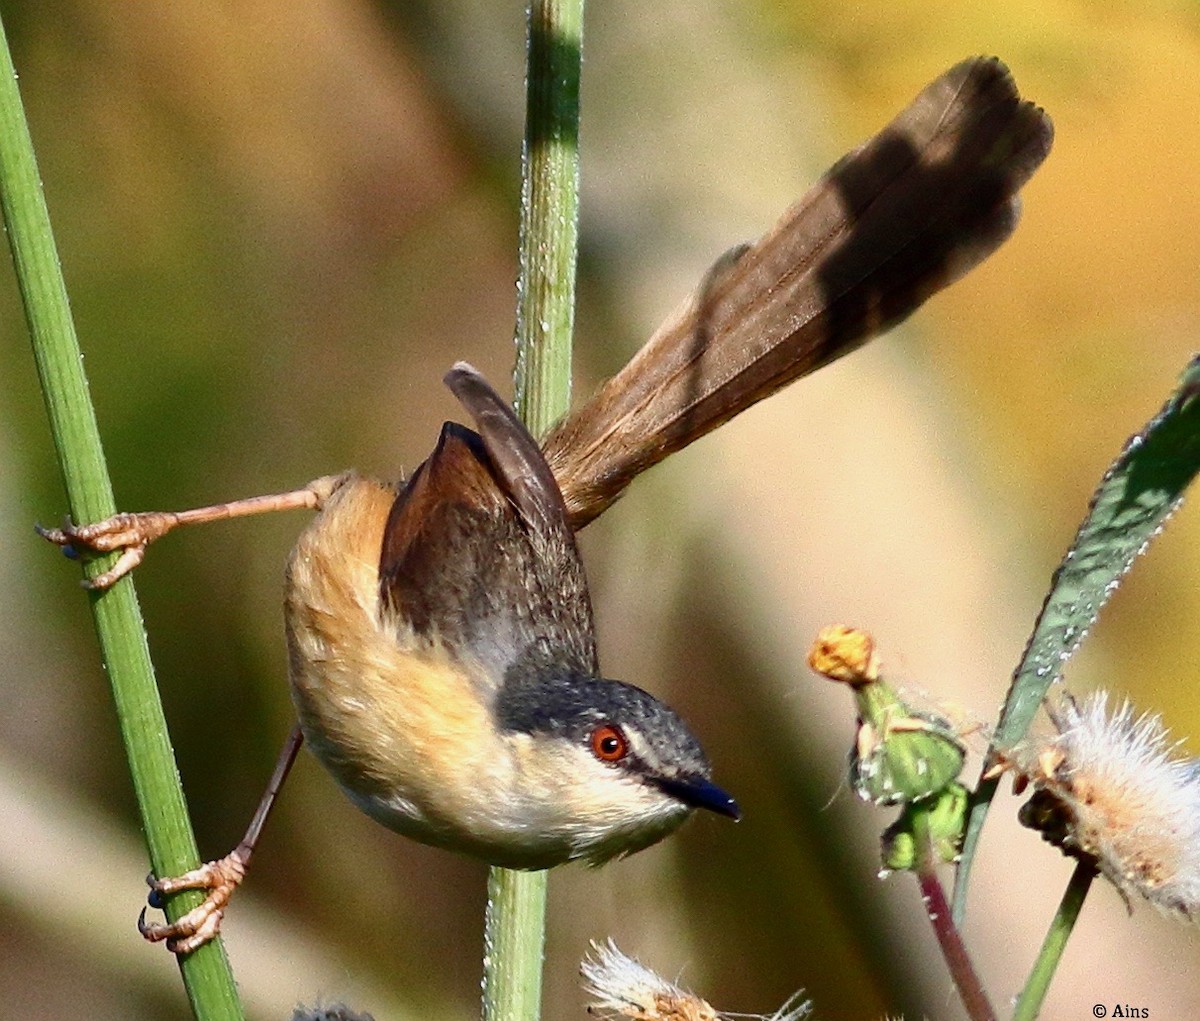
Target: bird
<point>442,651</point>
<point>444,669</point>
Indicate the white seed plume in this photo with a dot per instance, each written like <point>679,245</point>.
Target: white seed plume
<point>624,987</point>
<point>1128,799</point>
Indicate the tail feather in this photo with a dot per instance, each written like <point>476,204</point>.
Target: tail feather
<point>896,220</point>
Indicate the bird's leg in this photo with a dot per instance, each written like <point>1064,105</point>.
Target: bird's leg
<point>132,533</point>
<point>220,878</point>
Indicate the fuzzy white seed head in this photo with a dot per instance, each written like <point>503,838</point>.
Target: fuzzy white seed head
<point>624,987</point>
<point>1112,788</point>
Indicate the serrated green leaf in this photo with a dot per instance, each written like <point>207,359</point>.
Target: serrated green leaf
<point>1137,495</point>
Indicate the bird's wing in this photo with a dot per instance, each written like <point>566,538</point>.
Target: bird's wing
<point>477,554</point>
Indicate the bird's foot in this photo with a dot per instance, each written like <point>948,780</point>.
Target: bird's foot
<point>192,930</point>
<point>128,533</point>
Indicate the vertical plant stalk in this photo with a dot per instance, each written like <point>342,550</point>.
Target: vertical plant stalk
<point>169,838</point>
<point>515,933</point>
<point>962,971</point>
<point>1029,1003</point>
<point>549,213</point>
<point>514,941</point>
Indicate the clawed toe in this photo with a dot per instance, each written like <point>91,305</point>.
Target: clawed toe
<point>113,533</point>
<point>128,533</point>
<point>192,930</point>
<point>190,933</point>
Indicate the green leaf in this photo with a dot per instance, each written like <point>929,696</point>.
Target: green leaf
<point>1137,495</point>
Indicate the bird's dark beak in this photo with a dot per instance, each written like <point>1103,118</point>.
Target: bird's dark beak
<point>700,792</point>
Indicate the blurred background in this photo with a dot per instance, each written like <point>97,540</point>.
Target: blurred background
<point>280,224</point>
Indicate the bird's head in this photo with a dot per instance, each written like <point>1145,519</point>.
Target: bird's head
<point>605,766</point>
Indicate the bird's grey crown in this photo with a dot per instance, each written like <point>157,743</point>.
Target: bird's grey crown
<point>571,705</point>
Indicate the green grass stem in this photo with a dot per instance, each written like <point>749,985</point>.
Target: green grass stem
<point>1029,1003</point>
<point>516,916</point>
<point>169,838</point>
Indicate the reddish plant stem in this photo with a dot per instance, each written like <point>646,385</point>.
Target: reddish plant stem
<point>962,971</point>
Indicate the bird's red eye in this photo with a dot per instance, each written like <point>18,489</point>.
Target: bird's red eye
<point>609,744</point>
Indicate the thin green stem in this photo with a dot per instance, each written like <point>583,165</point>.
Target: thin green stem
<point>962,971</point>
<point>1029,1003</point>
<point>549,213</point>
<point>516,916</point>
<point>515,937</point>
<point>122,636</point>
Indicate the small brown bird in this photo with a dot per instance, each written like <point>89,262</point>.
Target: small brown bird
<point>444,668</point>
<point>442,654</point>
